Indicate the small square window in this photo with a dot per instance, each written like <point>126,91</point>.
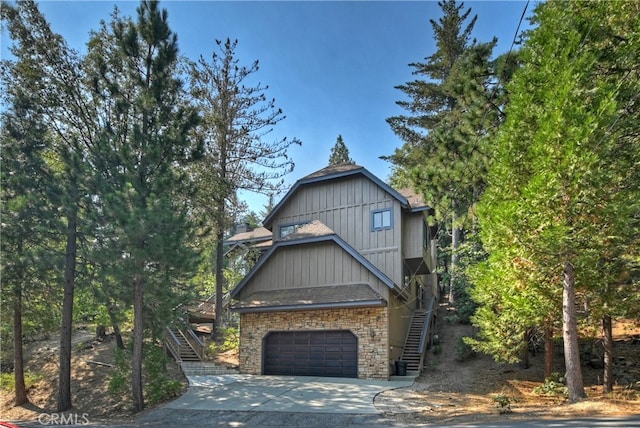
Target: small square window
<point>381,219</point>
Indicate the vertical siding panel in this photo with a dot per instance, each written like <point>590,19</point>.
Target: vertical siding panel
<point>288,268</point>
<point>305,267</point>
<point>322,263</point>
<point>351,226</point>
<point>296,268</point>
<point>314,264</point>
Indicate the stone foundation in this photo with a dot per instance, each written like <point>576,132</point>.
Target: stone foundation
<point>368,324</point>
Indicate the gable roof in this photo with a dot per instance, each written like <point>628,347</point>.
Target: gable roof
<point>342,170</point>
<point>313,232</point>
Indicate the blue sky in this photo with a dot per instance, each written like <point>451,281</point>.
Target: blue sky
<point>331,66</point>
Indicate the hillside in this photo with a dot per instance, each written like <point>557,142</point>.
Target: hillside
<point>447,391</point>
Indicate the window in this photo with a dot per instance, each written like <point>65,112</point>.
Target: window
<point>381,219</point>
<point>288,229</point>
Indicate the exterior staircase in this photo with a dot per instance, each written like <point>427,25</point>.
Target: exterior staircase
<point>184,346</point>
<point>411,353</point>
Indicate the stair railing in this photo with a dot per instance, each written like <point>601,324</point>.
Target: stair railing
<point>422,347</point>
<point>195,343</point>
<point>173,344</point>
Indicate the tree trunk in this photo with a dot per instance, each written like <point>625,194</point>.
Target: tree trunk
<point>455,245</point>
<point>66,328</point>
<point>217,321</point>
<point>607,379</point>
<point>524,362</point>
<point>138,339</point>
<point>548,351</point>
<point>18,358</point>
<point>570,336</point>
<point>116,328</point>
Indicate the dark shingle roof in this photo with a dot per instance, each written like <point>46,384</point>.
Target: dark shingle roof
<point>257,234</point>
<point>312,229</point>
<point>333,169</point>
<point>350,295</point>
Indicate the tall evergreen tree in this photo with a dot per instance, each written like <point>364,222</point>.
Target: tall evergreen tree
<point>26,209</point>
<point>339,153</point>
<point>451,110</point>
<point>563,192</point>
<point>236,122</point>
<point>144,138</point>
<point>46,69</point>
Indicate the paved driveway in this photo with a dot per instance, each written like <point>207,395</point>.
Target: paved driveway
<point>282,394</point>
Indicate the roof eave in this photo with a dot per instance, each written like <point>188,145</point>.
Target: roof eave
<point>314,239</point>
<point>302,307</point>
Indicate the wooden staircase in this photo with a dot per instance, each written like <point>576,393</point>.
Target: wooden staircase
<point>184,346</point>
<point>411,353</point>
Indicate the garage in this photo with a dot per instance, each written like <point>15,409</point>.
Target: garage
<point>329,353</point>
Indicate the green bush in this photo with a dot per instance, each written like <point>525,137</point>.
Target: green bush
<point>8,380</point>
<point>464,352</point>
<point>503,403</point>
<point>553,386</point>
<point>230,340</point>
<point>159,385</point>
<point>120,381</point>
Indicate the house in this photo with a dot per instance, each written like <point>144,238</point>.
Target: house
<point>350,270</point>
<point>246,246</point>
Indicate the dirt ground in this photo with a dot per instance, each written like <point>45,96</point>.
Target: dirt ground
<point>447,392</point>
<point>92,367</point>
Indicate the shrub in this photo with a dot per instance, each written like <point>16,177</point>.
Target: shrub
<point>120,378</point>
<point>230,340</point>
<point>8,380</point>
<point>159,386</point>
<point>553,386</point>
<point>464,352</point>
<point>503,403</point>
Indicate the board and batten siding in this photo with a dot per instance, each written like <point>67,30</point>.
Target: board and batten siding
<point>345,206</point>
<point>312,265</point>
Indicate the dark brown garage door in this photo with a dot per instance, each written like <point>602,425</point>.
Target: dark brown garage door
<point>332,353</point>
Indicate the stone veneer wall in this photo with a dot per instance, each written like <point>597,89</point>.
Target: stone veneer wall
<point>368,324</point>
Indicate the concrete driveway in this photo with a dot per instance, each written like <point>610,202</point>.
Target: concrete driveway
<point>282,394</point>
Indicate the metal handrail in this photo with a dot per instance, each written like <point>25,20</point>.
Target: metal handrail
<point>422,347</point>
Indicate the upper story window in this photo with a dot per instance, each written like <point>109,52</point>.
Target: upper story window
<point>381,219</point>
<point>288,229</point>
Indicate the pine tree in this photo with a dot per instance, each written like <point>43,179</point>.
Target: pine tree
<point>26,211</point>
<point>340,153</point>
<point>136,153</point>
<point>236,122</point>
<point>451,112</point>
<point>563,195</point>
<point>46,70</point>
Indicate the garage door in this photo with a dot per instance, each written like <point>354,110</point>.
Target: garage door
<point>332,353</point>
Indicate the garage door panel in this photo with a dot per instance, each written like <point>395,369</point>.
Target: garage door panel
<point>311,353</point>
